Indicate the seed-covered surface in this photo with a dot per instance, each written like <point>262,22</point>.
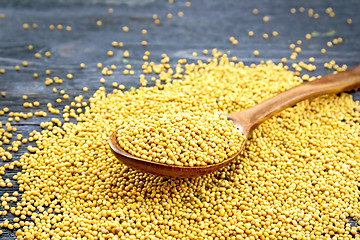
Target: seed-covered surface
<point>297,177</point>
<point>182,139</point>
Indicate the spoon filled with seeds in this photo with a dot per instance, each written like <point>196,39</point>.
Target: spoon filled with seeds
<point>190,144</point>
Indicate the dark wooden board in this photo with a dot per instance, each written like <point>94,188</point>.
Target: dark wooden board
<point>206,24</point>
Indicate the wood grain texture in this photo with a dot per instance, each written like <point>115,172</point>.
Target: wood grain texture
<point>205,25</point>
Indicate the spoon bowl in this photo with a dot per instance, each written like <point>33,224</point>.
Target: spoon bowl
<point>246,121</point>
<point>164,170</point>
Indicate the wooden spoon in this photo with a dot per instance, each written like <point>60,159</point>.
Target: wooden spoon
<point>247,121</point>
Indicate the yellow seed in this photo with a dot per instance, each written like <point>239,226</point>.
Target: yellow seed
<point>25,26</point>
<point>251,33</point>
<point>265,36</point>
<point>298,42</point>
<point>144,43</point>
<point>25,63</point>
<point>59,27</point>
<point>126,54</point>
<point>301,9</point>
<point>47,54</point>
<point>169,15</point>
<point>256,53</point>
<point>143,31</point>
<point>69,76</point>
<point>99,23</point>
<point>180,14</point>
<point>125,28</point>
<point>30,47</point>
<point>51,27</point>
<point>157,21</point>
<point>328,10</point>
<point>99,65</point>
<point>255,11</point>
<point>349,21</point>
<point>37,55</point>
<point>68,28</point>
<point>188,4</point>
<point>292,10</point>
<point>308,36</point>
<point>110,53</point>
<point>266,18</point>
<point>82,65</point>
<point>311,12</point>
<point>110,10</point>
<point>275,33</point>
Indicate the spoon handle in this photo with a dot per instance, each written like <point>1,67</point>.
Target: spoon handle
<point>330,84</point>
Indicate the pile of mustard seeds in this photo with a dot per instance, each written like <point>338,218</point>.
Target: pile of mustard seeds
<point>297,177</point>
<point>183,139</point>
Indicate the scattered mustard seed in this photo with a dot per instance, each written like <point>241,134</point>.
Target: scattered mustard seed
<point>266,18</point>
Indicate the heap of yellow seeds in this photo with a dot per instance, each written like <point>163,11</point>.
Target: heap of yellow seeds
<point>182,139</point>
<point>296,179</point>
